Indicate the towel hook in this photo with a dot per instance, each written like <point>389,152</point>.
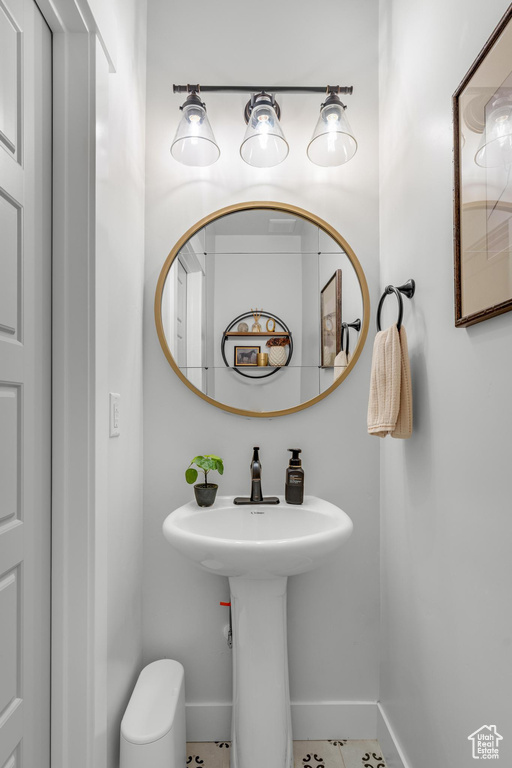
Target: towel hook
<point>344,328</point>
<point>407,289</point>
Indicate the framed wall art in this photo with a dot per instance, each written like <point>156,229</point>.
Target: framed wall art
<point>246,356</point>
<point>330,311</point>
<point>482,109</point>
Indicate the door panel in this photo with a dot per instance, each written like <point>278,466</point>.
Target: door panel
<point>9,456</point>
<point>10,265</point>
<point>25,384</point>
<point>9,640</point>
<point>10,83</point>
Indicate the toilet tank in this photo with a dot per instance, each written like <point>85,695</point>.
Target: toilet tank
<point>153,726</point>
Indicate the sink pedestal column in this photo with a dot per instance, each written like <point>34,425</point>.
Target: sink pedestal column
<point>261,732</point>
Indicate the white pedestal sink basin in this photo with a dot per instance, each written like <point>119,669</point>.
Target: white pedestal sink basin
<point>258,547</point>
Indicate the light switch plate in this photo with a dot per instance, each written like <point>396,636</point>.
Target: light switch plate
<point>115,430</point>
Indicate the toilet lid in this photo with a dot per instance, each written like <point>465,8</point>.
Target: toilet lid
<point>152,707</point>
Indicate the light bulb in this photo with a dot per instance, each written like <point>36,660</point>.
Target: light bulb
<point>264,144</point>
<point>332,143</point>
<point>194,142</point>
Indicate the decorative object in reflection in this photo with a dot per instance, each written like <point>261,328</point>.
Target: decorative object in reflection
<point>256,327</point>
<point>345,333</point>
<point>283,333</point>
<point>482,107</point>
<point>246,356</point>
<point>242,328</point>
<point>271,325</point>
<point>496,145</point>
<point>342,359</point>
<point>330,313</point>
<point>277,354</point>
<point>262,359</point>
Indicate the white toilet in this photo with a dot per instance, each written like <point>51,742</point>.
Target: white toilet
<point>153,726</point>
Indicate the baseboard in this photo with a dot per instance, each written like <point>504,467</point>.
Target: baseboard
<point>388,741</point>
<point>310,720</point>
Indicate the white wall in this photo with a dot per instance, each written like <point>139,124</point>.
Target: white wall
<point>334,612</point>
<point>446,523</point>
<point>120,276</point>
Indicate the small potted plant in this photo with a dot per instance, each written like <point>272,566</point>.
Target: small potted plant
<point>205,492</point>
<point>277,353</point>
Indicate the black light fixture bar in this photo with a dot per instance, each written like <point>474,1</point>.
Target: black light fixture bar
<point>260,88</point>
<point>332,144</point>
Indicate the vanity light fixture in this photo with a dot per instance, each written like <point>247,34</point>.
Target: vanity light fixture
<point>264,144</point>
<point>194,142</point>
<point>496,146</point>
<point>333,142</point>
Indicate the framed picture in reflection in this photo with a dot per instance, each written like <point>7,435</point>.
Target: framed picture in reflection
<point>245,356</point>
<point>330,312</point>
<point>482,109</point>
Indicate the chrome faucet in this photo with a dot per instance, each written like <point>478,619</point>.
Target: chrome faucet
<point>256,492</point>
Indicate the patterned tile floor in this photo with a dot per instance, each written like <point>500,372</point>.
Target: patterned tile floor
<point>340,753</point>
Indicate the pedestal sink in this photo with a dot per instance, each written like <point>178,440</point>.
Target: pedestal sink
<point>258,547</point>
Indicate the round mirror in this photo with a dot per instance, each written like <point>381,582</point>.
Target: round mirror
<point>262,309</point>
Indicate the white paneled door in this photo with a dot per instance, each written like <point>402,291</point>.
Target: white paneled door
<point>25,385</point>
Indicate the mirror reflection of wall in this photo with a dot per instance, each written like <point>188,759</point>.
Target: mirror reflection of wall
<point>184,310</point>
<point>270,260</point>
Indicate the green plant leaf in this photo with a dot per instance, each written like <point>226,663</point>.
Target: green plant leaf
<point>191,475</point>
<point>204,463</point>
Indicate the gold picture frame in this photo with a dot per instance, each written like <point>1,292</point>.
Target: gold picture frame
<point>245,356</point>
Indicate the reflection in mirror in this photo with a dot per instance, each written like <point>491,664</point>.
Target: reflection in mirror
<point>250,287</point>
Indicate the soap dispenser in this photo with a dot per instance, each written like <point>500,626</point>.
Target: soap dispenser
<point>294,486</point>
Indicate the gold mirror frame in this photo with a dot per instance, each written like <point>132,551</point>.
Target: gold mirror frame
<point>283,208</point>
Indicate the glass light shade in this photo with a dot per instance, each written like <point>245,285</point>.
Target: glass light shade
<point>194,142</point>
<point>333,142</point>
<point>264,144</point>
<point>496,145</point>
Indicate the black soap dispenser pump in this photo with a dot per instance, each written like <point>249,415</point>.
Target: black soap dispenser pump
<point>294,486</point>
